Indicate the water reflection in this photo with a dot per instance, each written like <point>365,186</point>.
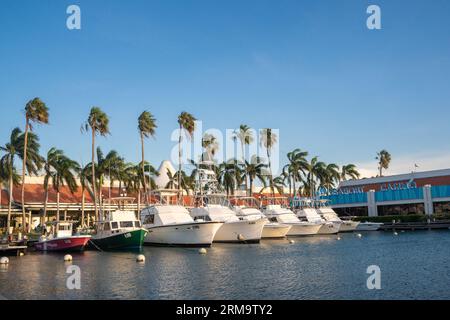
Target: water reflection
<point>319,267</point>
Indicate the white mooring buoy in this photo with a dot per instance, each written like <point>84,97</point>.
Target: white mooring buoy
<point>202,251</point>
<point>67,257</point>
<point>359,235</point>
<point>240,237</point>
<point>395,233</point>
<point>140,258</point>
<point>291,241</point>
<point>4,260</point>
<point>338,238</point>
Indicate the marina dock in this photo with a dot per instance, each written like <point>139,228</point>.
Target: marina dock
<point>431,225</point>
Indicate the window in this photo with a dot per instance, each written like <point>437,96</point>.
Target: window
<point>149,219</point>
<point>106,226</point>
<point>137,224</point>
<point>352,211</point>
<point>441,207</point>
<point>126,224</point>
<point>114,225</point>
<point>273,219</point>
<point>401,209</point>
<point>64,227</point>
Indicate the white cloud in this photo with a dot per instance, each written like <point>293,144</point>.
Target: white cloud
<point>405,164</point>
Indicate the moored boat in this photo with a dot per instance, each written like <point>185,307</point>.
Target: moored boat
<point>171,225</point>
<point>119,229</point>
<point>61,238</point>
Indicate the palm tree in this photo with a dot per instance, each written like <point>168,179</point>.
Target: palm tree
<point>83,175</point>
<point>349,170</point>
<point>147,128</point>
<point>186,121</point>
<point>297,166</point>
<point>65,172</point>
<point>279,184</point>
<point>384,159</point>
<point>35,112</point>
<point>245,137</point>
<point>12,149</point>
<point>210,144</point>
<point>331,175</point>
<point>268,140</point>
<point>229,175</point>
<point>98,123</point>
<point>316,171</point>
<point>255,169</point>
<point>50,165</point>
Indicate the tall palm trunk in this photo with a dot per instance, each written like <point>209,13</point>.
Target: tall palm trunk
<point>45,205</point>
<point>93,174</point>
<point>82,207</point>
<point>179,165</point>
<point>24,228</point>
<point>270,173</point>
<point>57,205</point>
<point>144,183</point>
<point>8,222</point>
<point>251,186</point>
<point>245,175</point>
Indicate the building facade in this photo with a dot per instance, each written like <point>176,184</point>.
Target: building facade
<point>425,192</point>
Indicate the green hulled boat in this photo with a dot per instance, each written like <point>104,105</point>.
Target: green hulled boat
<point>120,230</point>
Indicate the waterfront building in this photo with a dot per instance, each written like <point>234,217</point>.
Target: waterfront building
<point>426,192</point>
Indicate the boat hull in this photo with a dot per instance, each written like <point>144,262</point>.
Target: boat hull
<point>367,226</point>
<point>348,226</point>
<point>120,241</point>
<point>200,234</point>
<point>305,229</point>
<point>75,243</point>
<point>248,230</point>
<point>329,228</point>
<point>274,231</point>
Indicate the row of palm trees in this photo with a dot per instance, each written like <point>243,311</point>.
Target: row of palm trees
<point>301,175</point>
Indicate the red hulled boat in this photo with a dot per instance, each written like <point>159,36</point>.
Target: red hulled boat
<point>60,238</point>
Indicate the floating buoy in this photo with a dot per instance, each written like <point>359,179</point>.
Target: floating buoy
<point>395,233</point>
<point>291,241</point>
<point>359,235</point>
<point>338,238</point>
<point>4,260</point>
<point>67,257</point>
<point>140,258</point>
<point>202,251</point>
<point>21,254</point>
<point>240,237</point>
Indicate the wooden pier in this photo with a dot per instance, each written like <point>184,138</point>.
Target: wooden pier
<point>429,225</point>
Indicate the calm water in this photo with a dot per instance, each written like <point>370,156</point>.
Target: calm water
<point>414,265</point>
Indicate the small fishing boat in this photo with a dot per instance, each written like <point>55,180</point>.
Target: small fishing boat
<point>61,238</point>
<point>369,226</point>
<point>119,229</point>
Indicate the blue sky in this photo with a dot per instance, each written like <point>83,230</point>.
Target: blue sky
<point>310,68</point>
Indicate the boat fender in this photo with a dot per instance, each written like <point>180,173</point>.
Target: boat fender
<point>140,258</point>
<point>241,237</point>
<point>202,251</point>
<point>291,241</point>
<point>4,260</point>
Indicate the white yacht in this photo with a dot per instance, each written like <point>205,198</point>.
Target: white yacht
<point>310,214</point>
<point>278,211</point>
<point>247,208</point>
<point>171,224</point>
<point>217,208</point>
<point>329,215</point>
